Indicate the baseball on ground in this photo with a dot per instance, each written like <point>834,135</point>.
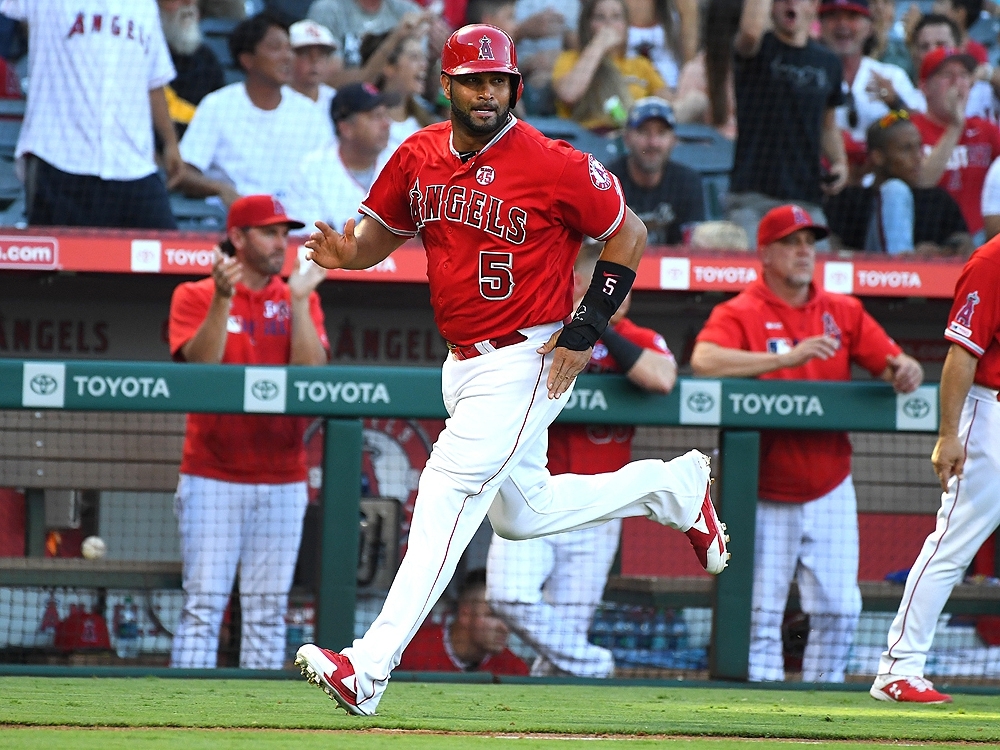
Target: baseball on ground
<point>93,548</point>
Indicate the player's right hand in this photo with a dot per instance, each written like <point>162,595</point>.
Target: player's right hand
<point>948,458</point>
<point>823,347</point>
<point>331,249</point>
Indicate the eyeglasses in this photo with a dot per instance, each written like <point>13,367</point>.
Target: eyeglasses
<point>896,115</point>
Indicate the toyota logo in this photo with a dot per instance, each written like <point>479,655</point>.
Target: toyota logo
<point>700,402</point>
<point>44,385</point>
<point>264,390</point>
<point>916,408</point>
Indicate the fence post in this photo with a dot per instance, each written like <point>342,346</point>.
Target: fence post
<point>337,596</point>
<point>733,589</point>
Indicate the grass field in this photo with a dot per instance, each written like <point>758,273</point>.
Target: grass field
<point>107,714</point>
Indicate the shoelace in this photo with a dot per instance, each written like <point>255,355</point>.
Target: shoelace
<point>921,684</point>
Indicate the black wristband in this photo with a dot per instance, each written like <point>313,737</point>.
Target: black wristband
<point>625,352</point>
<point>608,289</point>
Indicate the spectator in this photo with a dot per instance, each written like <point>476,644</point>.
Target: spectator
<point>871,88</point>
<point>597,85</point>
<point>472,639</point>
<point>404,77</point>
<point>542,29</point>
<point>783,327</point>
<point>87,156</point>
<point>242,491</point>
<point>705,89</point>
<point>332,181</point>
<point>316,60</point>
<point>959,149</point>
<point>198,69</point>
<point>667,196</point>
<point>666,32</point>
<point>991,201</point>
<point>351,20</point>
<point>719,235</point>
<point>964,13</point>
<point>248,138</point>
<point>886,44</point>
<point>787,89</point>
<point>895,215</point>
<point>547,589</point>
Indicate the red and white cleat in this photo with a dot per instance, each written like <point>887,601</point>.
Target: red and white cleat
<point>708,536</point>
<point>332,672</point>
<point>906,689</point>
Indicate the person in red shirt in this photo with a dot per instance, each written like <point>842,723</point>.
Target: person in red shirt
<point>782,327</point>
<point>241,496</point>
<point>501,211</point>
<point>965,461</point>
<point>958,149</point>
<point>472,639</point>
<point>547,589</point>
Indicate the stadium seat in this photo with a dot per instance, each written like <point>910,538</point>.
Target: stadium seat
<point>220,46</point>
<point>197,213</point>
<point>704,149</point>
<point>577,136</point>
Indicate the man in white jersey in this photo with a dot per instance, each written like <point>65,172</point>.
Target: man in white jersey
<point>332,181</point>
<point>247,138</point>
<point>97,73</point>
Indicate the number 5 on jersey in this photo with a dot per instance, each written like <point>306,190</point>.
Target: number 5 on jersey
<point>496,277</point>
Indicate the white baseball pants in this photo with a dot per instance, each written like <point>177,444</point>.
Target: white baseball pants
<point>969,513</point>
<point>491,459</point>
<point>547,590</point>
<point>816,543</point>
<point>222,525</point>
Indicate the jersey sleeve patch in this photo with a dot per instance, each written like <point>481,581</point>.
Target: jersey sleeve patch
<point>599,174</point>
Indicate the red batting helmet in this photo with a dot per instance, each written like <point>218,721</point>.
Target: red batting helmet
<point>481,48</point>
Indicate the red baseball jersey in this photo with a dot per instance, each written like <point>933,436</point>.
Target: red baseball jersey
<point>798,466</point>
<point>965,172</point>
<point>429,652</point>
<point>598,448</point>
<point>974,322</point>
<point>502,230</point>
<point>244,448</point>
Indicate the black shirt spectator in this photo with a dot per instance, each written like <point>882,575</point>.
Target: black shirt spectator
<point>198,69</point>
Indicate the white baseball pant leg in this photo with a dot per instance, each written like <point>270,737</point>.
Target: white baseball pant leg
<point>491,457</point>
<point>969,513</point>
<point>547,590</point>
<point>817,544</point>
<point>222,525</point>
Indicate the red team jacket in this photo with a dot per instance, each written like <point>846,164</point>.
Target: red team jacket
<point>427,652</point>
<point>599,448</point>
<point>798,466</point>
<point>502,230</point>
<point>974,322</point>
<point>236,447</point>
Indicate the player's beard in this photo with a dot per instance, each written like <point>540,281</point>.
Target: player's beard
<point>486,128</point>
<point>181,30</point>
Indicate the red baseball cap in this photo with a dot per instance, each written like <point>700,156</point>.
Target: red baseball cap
<point>258,211</point>
<point>938,57</point>
<point>854,6</point>
<point>782,221</point>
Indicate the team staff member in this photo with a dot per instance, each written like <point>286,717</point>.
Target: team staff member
<point>548,588</point>
<point>966,462</point>
<point>242,491</point>
<point>501,211</point>
<point>783,328</point>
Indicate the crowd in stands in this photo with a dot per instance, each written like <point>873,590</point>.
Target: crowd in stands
<point>879,120</point>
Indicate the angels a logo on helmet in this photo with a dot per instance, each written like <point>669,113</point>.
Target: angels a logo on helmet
<point>485,48</point>
<point>485,175</point>
<point>598,174</point>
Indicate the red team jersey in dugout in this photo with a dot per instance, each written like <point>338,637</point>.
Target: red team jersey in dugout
<point>244,448</point>
<point>974,322</point>
<point>798,466</point>
<point>599,448</point>
<point>499,228</point>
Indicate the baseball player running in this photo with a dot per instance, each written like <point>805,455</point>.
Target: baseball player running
<point>501,211</point>
<point>547,589</point>
<point>967,463</point>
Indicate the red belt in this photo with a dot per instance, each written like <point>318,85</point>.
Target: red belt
<point>484,347</point>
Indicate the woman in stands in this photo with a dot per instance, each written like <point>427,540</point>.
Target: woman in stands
<point>597,84</point>
<point>404,74</point>
<point>665,31</point>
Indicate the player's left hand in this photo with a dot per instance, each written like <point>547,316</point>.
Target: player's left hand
<point>566,365</point>
<point>907,373</point>
<point>305,277</point>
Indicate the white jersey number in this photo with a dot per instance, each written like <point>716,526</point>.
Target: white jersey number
<point>496,279</point>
